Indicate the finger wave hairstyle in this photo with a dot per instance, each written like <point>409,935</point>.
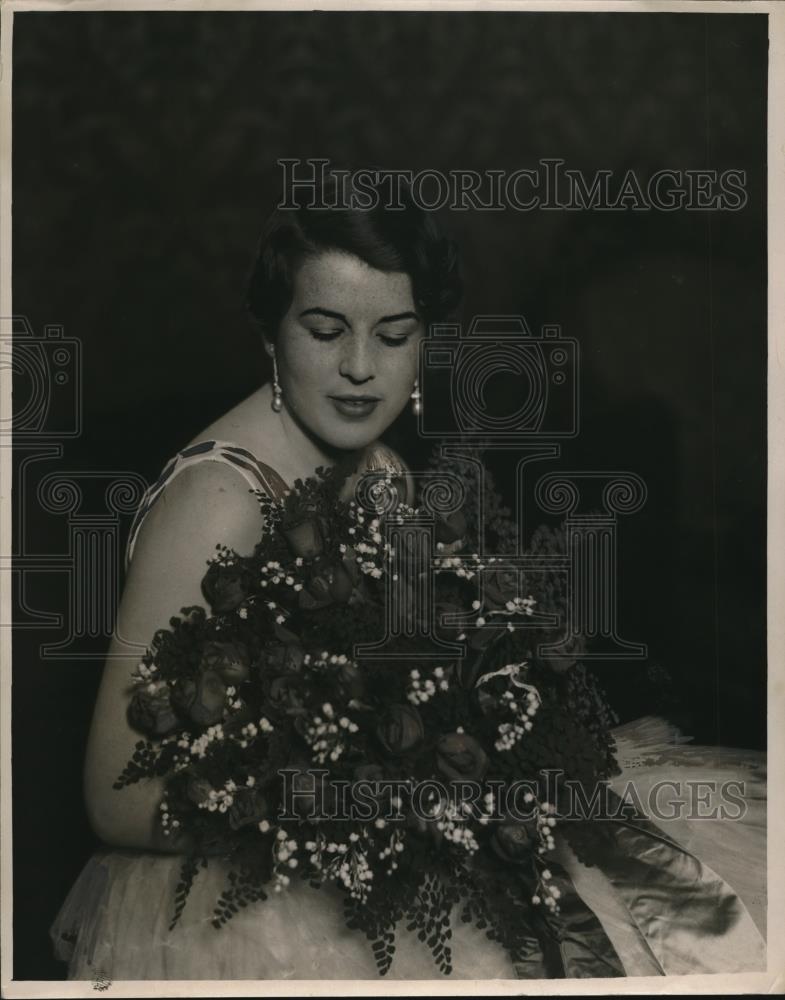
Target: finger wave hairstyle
<point>404,240</point>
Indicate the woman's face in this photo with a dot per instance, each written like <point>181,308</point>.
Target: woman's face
<point>347,349</point>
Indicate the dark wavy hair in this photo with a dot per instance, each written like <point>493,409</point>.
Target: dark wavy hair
<point>405,240</point>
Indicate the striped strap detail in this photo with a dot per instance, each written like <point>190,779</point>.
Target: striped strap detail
<point>256,473</point>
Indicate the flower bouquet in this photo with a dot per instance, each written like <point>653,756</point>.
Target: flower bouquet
<point>419,782</point>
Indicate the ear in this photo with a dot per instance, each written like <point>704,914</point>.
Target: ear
<point>269,346</point>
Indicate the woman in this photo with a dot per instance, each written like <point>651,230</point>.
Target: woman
<point>343,299</point>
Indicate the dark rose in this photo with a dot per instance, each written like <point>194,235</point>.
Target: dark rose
<point>340,583</point>
<point>305,538</point>
<point>201,699</point>
<point>574,648</point>
<point>315,595</point>
<point>514,840</point>
<point>198,789</point>
<point>249,808</point>
<point>150,711</point>
<point>282,658</point>
<point>460,757</point>
<point>501,586</point>
<point>401,729</point>
<point>228,659</point>
<point>319,587</point>
<point>311,796</point>
<point>450,527</point>
<point>283,694</point>
<point>225,587</point>
<point>331,584</point>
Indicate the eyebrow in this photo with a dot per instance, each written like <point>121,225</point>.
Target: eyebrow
<point>395,318</point>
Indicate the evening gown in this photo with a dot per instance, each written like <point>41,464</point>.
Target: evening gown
<point>687,896</point>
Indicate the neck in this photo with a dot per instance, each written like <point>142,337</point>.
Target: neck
<point>304,452</point>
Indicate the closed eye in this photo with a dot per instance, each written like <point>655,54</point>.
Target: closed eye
<point>325,335</point>
<point>393,341</point>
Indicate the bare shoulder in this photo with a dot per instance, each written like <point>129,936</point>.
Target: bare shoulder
<point>205,504</point>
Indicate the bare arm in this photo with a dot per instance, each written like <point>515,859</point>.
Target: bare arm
<point>205,504</point>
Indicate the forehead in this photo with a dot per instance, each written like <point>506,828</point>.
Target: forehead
<point>344,283</point>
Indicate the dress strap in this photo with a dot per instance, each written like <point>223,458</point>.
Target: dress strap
<point>256,473</point>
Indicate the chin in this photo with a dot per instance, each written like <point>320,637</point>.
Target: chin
<point>352,438</point>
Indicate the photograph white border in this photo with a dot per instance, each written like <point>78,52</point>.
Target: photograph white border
<point>772,981</point>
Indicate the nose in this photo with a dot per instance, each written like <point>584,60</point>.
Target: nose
<point>357,362</point>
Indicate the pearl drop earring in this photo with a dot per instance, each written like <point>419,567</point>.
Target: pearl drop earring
<point>416,398</point>
<point>277,403</point>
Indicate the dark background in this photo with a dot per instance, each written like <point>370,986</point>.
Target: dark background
<point>144,157</point>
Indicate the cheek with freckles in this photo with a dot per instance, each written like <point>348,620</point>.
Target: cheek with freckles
<point>305,367</point>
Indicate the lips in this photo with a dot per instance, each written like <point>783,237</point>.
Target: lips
<point>355,407</point>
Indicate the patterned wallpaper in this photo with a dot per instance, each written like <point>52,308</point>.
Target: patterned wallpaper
<point>145,147</point>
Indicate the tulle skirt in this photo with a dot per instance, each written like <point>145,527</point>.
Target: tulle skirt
<point>692,900</point>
